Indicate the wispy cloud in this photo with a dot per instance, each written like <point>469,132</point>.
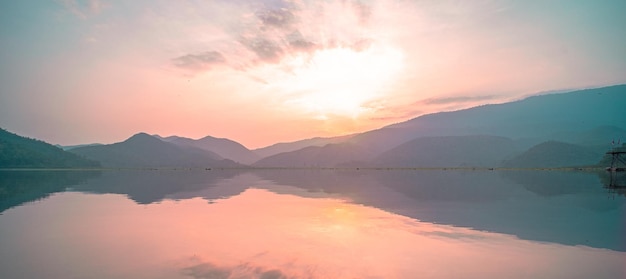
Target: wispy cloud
<point>279,18</point>
<point>264,48</point>
<point>208,270</point>
<point>199,61</point>
<point>456,100</point>
<point>270,32</point>
<point>394,113</point>
<point>298,42</point>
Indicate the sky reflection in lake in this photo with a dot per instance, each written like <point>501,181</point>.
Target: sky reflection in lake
<point>244,226</point>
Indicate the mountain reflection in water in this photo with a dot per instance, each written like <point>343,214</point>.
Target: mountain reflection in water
<point>316,224</point>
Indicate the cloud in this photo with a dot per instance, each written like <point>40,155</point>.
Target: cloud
<point>397,114</point>
<point>298,42</point>
<point>361,44</point>
<point>206,270</point>
<point>383,110</point>
<point>265,49</point>
<point>280,18</point>
<point>199,61</point>
<point>272,274</point>
<point>363,11</point>
<point>387,111</point>
<point>456,100</point>
<point>267,32</point>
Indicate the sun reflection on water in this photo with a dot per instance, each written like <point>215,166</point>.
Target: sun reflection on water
<point>261,234</point>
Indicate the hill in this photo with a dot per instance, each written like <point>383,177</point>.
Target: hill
<point>330,155</point>
<point>296,145</point>
<point>225,148</point>
<point>601,135</point>
<point>556,154</point>
<point>454,151</point>
<point>143,150</point>
<point>543,118</point>
<point>586,119</point>
<point>21,152</point>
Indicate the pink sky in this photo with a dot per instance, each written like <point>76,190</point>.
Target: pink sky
<point>261,72</point>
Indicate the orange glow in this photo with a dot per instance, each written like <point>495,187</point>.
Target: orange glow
<point>262,72</point>
<point>339,81</point>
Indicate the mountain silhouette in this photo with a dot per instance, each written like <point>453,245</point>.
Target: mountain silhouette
<point>296,145</point>
<point>329,155</point>
<point>552,130</point>
<point>539,117</point>
<point>487,135</point>
<point>453,151</point>
<point>225,148</point>
<point>552,154</point>
<point>143,150</point>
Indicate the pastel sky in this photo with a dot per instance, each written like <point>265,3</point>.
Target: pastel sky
<point>261,72</point>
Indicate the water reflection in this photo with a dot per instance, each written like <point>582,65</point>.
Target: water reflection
<point>146,187</point>
<point>19,187</point>
<point>569,208</point>
<point>261,233</point>
<point>614,182</point>
<point>561,207</point>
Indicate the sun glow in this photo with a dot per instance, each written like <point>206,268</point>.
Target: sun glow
<point>339,81</point>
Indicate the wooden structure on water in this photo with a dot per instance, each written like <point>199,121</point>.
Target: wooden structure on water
<point>615,160</point>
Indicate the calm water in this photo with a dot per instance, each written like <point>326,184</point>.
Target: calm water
<point>311,224</point>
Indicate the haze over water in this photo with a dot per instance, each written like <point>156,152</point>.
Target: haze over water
<point>311,224</point>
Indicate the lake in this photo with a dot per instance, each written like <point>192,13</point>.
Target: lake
<point>311,224</point>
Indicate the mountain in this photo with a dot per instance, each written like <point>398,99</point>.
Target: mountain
<point>330,155</point>
<point>20,152</point>
<point>223,147</point>
<point>601,135</point>
<point>453,151</point>
<point>293,146</point>
<point>143,150</point>
<point>480,136</point>
<point>541,118</point>
<point>556,154</point>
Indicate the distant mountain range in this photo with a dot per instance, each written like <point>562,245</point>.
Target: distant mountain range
<point>143,150</point>
<point>296,145</point>
<point>553,130</point>
<point>538,118</point>
<point>557,154</point>
<point>225,148</point>
<point>330,155</point>
<point>509,134</point>
<point>450,151</point>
